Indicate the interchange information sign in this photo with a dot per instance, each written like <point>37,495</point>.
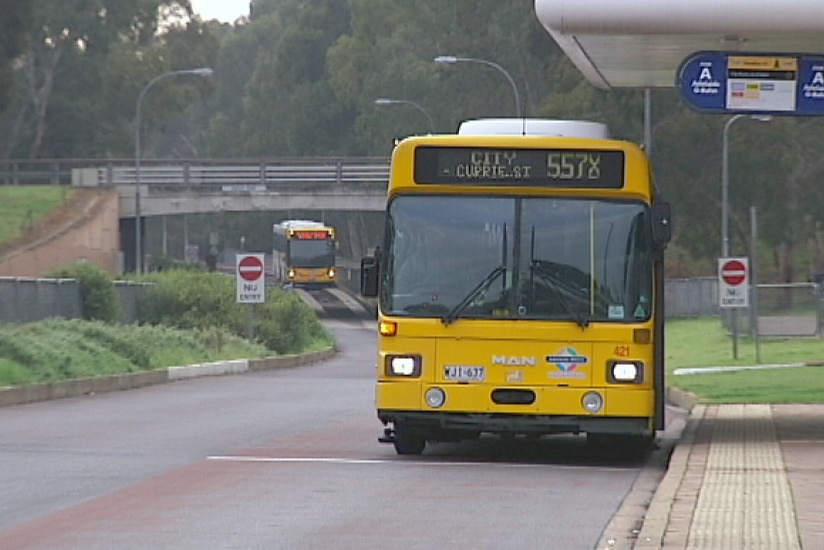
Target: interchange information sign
<point>754,83</point>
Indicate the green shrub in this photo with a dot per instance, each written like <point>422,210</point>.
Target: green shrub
<point>13,374</point>
<point>205,301</point>
<point>191,300</point>
<point>287,325</point>
<point>98,297</point>
<point>169,263</point>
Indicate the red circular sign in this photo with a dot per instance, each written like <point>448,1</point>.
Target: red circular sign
<point>734,272</point>
<point>250,268</point>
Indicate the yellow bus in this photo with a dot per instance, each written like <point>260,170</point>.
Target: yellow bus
<point>304,253</point>
<point>520,287</point>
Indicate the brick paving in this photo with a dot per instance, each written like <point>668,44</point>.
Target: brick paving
<point>742,477</point>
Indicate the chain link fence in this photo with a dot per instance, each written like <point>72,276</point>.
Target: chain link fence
<point>777,310</point>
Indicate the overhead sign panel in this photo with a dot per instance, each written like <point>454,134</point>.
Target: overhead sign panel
<point>753,83</point>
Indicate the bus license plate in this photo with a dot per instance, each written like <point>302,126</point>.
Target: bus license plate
<point>462,373</point>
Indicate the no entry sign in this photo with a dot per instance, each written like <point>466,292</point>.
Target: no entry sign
<point>734,272</point>
<point>733,282</point>
<point>250,268</point>
<point>251,287</point>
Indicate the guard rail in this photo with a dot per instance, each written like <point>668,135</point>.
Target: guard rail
<point>231,172</point>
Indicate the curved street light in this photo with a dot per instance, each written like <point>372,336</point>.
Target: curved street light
<point>138,241</point>
<point>725,157</point>
<point>390,101</point>
<point>451,60</point>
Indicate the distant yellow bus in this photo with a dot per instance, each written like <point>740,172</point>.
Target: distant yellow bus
<point>520,287</point>
<point>304,253</point>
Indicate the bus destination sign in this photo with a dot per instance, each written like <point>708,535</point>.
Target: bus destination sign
<point>580,168</point>
<point>309,234</point>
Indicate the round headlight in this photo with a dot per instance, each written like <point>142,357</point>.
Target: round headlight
<point>592,402</point>
<point>435,397</point>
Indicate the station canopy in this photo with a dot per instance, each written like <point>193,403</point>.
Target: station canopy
<point>641,43</point>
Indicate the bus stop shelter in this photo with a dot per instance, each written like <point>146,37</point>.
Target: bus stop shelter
<point>641,43</point>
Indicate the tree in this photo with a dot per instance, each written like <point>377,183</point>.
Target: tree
<point>290,109</point>
<point>65,56</point>
<point>13,14</point>
<point>390,52</point>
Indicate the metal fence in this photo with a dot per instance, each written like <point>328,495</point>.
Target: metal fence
<point>238,175</point>
<point>235,174</point>
<point>25,300</point>
<point>781,310</point>
<point>784,310</point>
<point>696,297</point>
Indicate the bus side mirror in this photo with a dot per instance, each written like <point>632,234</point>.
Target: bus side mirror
<point>369,271</point>
<point>661,223</point>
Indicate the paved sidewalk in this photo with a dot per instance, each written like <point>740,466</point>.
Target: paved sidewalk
<point>742,477</point>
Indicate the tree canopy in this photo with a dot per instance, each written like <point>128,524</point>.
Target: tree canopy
<point>13,15</point>
<point>300,78</point>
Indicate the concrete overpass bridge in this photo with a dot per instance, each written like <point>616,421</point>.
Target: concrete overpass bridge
<point>169,188</point>
<point>198,187</point>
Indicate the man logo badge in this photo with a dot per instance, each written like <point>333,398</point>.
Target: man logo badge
<point>514,360</point>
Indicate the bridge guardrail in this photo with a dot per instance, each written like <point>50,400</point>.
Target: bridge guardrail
<point>36,172</point>
<point>106,172</point>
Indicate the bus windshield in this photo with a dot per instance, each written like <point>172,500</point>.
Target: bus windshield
<point>311,252</point>
<point>480,257</point>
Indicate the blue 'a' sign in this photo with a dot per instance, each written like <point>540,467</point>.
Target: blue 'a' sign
<point>753,83</point>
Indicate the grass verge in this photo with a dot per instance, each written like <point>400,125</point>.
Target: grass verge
<point>22,206</point>
<point>59,349</point>
<point>704,343</point>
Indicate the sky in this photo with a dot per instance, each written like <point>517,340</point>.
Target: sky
<point>223,10</point>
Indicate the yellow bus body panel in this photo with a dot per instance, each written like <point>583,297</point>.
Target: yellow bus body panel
<point>408,395</point>
<point>637,179</point>
<point>516,354</point>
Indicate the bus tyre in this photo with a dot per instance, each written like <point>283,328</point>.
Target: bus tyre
<point>630,446</point>
<point>408,443</point>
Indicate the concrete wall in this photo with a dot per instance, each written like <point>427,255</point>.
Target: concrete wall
<point>90,231</point>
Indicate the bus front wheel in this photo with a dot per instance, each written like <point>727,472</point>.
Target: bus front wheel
<point>407,443</point>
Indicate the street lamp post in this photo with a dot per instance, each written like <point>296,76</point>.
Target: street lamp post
<point>725,237</point>
<point>451,60</point>
<point>138,241</point>
<point>389,101</point>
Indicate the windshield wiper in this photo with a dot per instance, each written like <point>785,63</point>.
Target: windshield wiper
<point>552,282</point>
<point>450,317</point>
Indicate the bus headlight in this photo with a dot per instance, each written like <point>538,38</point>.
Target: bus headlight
<point>408,366</point>
<point>592,402</point>
<point>291,274</point>
<point>625,372</point>
<point>331,273</point>
<point>435,397</point>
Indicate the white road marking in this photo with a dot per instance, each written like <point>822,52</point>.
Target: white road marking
<point>405,463</point>
<point>347,300</point>
<point>309,299</point>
